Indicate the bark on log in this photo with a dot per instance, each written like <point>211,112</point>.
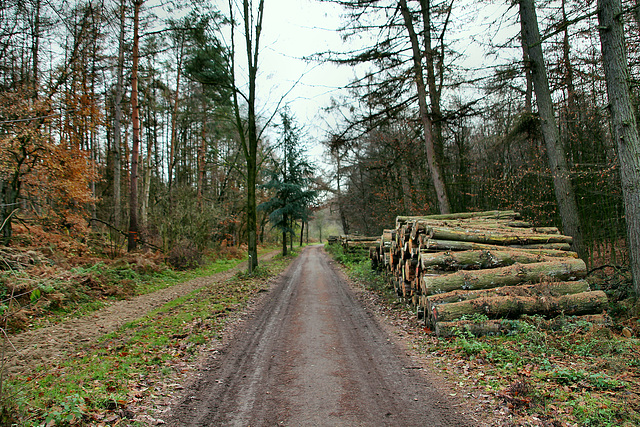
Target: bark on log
<point>557,246</point>
<point>591,302</point>
<point>470,260</point>
<point>554,289</point>
<point>435,245</point>
<point>478,329</point>
<point>480,226</point>
<point>511,215</point>
<point>495,238</point>
<point>350,238</point>
<point>564,269</point>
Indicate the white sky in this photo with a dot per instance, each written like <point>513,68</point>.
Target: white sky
<point>294,30</point>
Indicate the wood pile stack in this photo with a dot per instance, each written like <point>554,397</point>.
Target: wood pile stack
<point>353,243</point>
<point>483,265</point>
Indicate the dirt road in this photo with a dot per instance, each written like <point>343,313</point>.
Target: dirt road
<point>311,355</point>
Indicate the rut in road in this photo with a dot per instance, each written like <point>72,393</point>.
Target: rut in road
<point>311,355</point>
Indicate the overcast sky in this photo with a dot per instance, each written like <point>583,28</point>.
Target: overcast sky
<point>294,30</point>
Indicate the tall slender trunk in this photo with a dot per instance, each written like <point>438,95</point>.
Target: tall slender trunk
<point>341,209</point>
<point>555,152</point>
<point>35,48</point>
<point>572,112</point>
<point>433,83</point>
<point>146,167</point>
<point>202,149</point>
<point>135,146</point>
<point>301,231</point>
<point>285,219</point>
<point>625,128</point>
<point>117,122</point>
<point>249,135</point>
<point>528,94</point>
<point>432,158</point>
<point>174,117</point>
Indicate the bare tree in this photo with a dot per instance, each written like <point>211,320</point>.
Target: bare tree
<point>117,120</point>
<point>427,123</point>
<point>135,120</point>
<point>550,132</point>
<point>247,130</point>
<point>625,128</point>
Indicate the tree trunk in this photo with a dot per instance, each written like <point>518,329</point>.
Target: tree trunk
<point>510,215</point>
<point>592,302</point>
<point>473,260</point>
<point>500,326</point>
<point>343,216</point>
<point>555,152</point>
<point>435,245</point>
<point>202,149</point>
<point>495,238</point>
<point>564,269</point>
<point>135,120</point>
<point>117,122</point>
<point>432,160</point>
<point>284,238</point>
<point>625,129</point>
<point>434,85</point>
<point>301,231</point>
<point>174,116</point>
<point>555,289</point>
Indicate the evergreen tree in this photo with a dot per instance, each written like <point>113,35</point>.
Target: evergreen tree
<point>289,181</point>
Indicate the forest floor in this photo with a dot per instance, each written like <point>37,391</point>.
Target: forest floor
<point>46,345</point>
<point>129,362</point>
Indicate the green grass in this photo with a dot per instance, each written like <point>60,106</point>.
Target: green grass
<point>565,382</point>
<point>102,377</point>
<point>562,372</point>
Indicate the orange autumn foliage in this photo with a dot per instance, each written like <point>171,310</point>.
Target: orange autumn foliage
<point>48,177</point>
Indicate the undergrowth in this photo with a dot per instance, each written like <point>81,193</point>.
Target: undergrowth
<point>560,372</point>
<point>102,381</point>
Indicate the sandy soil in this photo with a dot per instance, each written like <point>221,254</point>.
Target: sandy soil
<point>311,354</point>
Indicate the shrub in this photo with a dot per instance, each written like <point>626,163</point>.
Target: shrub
<point>184,256</point>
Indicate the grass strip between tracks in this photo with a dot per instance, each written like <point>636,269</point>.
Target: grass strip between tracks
<point>100,383</point>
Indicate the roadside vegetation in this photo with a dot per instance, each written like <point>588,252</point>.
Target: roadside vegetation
<point>110,381</point>
<point>549,372</point>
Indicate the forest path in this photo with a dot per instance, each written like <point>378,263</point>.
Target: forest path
<point>45,345</point>
<point>311,354</point>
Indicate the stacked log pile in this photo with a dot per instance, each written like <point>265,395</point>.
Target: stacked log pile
<point>362,244</point>
<point>488,265</point>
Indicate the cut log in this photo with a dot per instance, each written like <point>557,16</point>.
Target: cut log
<point>494,238</point>
<point>557,246</point>
<point>436,245</point>
<point>350,238</point>
<point>560,270</point>
<point>511,215</point>
<point>361,243</point>
<point>480,226</point>
<point>554,289</point>
<point>592,302</point>
<point>469,260</point>
<point>478,329</point>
